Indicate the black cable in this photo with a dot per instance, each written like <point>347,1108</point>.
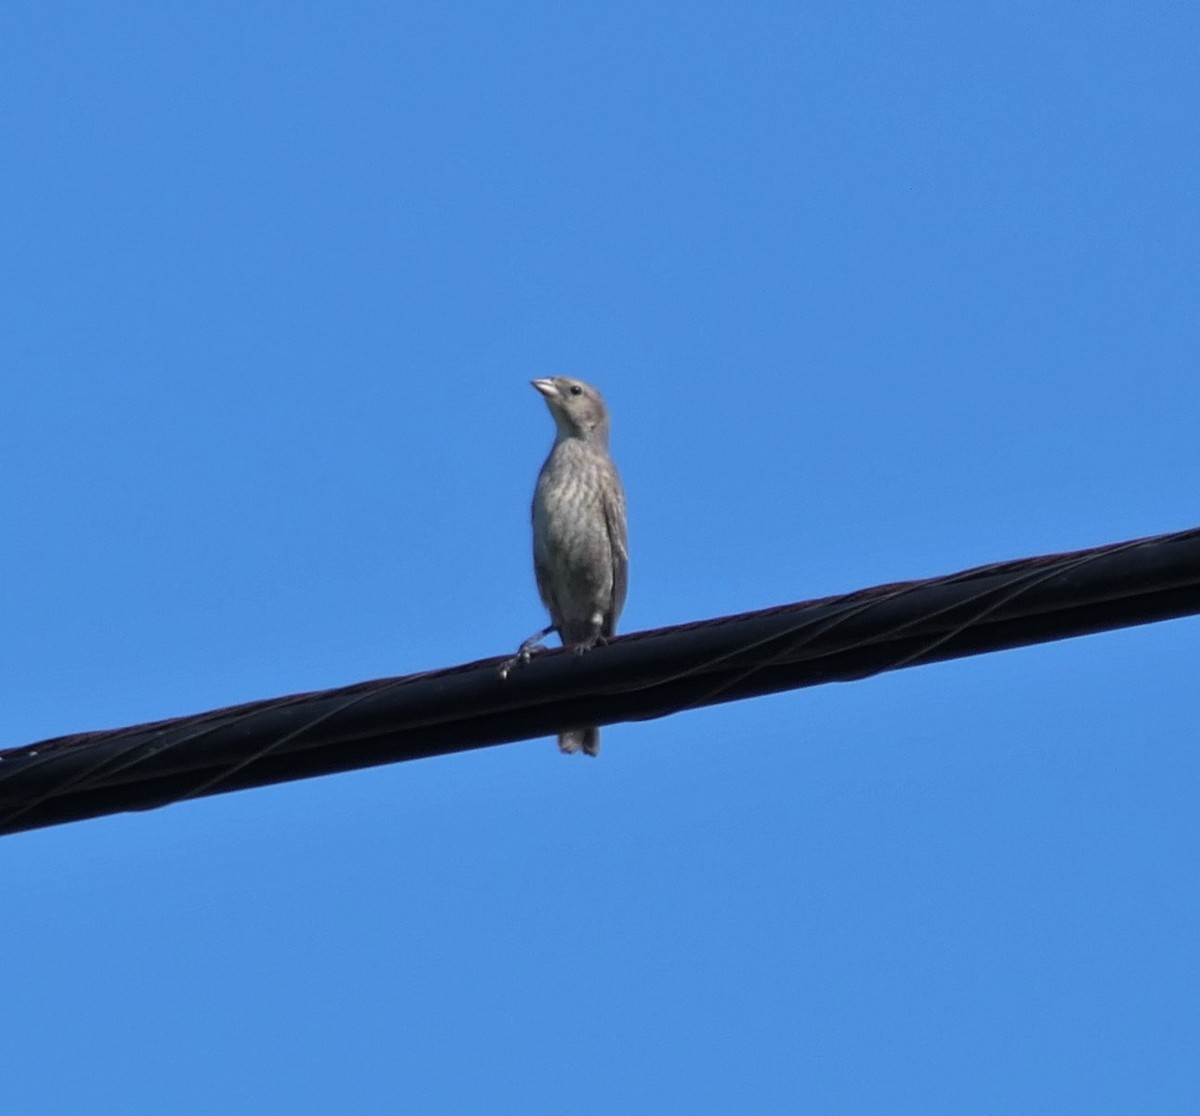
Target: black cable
<point>636,677</point>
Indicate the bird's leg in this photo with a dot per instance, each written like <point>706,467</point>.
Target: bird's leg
<point>525,651</point>
<point>533,643</point>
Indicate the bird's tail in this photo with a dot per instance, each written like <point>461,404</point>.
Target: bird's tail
<point>586,738</point>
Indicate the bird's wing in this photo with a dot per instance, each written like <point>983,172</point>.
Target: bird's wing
<point>541,569</point>
<point>618,541</point>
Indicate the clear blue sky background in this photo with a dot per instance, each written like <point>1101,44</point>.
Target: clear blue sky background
<point>875,291</point>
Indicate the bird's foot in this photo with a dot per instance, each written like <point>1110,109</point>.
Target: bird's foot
<point>585,645</point>
<point>524,653</point>
<point>519,659</point>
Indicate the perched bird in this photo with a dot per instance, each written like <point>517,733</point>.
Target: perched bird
<point>580,545</point>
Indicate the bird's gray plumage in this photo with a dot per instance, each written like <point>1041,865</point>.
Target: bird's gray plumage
<point>580,544</point>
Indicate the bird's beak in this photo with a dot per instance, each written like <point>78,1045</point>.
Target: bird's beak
<point>547,387</point>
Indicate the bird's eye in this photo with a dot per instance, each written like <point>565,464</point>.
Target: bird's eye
<point>576,389</point>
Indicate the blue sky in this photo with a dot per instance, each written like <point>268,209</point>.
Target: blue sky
<point>874,292</point>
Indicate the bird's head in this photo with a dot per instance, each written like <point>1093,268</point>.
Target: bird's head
<point>578,408</point>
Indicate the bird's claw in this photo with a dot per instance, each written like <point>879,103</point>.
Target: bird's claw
<point>523,655</point>
<point>585,645</point>
<point>507,667</point>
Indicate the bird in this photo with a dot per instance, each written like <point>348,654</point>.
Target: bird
<point>580,537</point>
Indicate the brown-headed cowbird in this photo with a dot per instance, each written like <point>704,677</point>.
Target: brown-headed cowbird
<point>580,546</point>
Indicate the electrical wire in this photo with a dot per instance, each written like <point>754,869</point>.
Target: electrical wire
<point>635,677</point>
